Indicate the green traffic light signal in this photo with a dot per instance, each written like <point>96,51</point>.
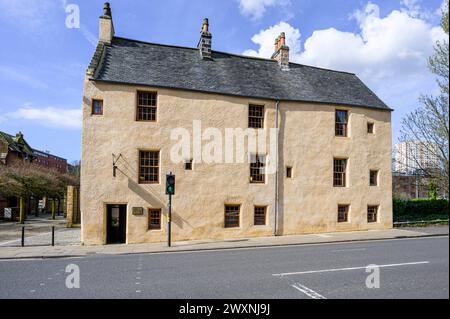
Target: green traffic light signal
<point>170,184</point>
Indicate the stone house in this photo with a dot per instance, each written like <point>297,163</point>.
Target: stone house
<point>324,164</point>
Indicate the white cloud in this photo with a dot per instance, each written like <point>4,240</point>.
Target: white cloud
<point>414,9</point>
<point>28,14</point>
<point>265,39</point>
<point>392,47</point>
<point>20,74</point>
<point>49,116</point>
<point>257,8</point>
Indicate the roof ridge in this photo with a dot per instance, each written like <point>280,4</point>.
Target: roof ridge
<point>231,54</point>
<point>9,135</point>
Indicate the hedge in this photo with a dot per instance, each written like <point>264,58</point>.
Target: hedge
<point>420,209</point>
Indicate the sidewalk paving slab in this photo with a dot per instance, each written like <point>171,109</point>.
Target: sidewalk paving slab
<point>205,245</point>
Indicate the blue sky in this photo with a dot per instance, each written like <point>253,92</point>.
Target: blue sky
<point>42,62</point>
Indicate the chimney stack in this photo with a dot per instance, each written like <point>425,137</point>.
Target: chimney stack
<point>281,52</point>
<point>205,43</point>
<point>106,32</point>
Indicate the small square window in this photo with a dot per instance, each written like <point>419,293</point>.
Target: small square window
<point>343,213</point>
<point>288,172</point>
<point>370,128</point>
<point>188,165</point>
<point>260,215</point>
<point>97,107</point>
<point>232,213</point>
<point>373,178</point>
<point>154,219</point>
<point>372,214</point>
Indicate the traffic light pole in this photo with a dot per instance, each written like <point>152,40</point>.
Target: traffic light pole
<point>169,221</point>
<point>170,190</point>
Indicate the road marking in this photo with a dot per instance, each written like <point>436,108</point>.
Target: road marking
<point>42,284</point>
<point>345,250</point>
<point>33,291</point>
<point>138,291</point>
<point>347,269</point>
<point>307,291</point>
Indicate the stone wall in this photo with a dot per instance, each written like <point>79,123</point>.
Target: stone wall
<point>308,201</point>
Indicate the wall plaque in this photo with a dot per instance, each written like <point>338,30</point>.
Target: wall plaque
<point>138,211</point>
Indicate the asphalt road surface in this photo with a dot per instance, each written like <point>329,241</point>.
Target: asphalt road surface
<point>408,268</point>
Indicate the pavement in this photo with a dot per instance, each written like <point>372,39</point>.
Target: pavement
<point>34,226</point>
<point>67,243</point>
<point>408,268</point>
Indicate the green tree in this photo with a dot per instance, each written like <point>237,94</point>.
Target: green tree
<point>429,124</point>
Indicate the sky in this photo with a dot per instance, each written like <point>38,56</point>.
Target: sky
<point>44,55</point>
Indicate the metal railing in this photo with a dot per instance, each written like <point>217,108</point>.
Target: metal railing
<point>418,222</point>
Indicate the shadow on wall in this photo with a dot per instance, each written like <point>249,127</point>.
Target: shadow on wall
<point>154,201</point>
<point>147,194</point>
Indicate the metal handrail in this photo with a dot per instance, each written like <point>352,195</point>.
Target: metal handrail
<point>422,222</point>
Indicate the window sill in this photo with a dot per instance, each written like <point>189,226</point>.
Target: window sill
<point>154,231</point>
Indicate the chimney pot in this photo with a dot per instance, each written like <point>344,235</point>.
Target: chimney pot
<point>281,53</point>
<point>205,26</point>
<point>205,43</point>
<point>107,10</point>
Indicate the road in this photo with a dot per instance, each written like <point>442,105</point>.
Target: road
<point>408,268</point>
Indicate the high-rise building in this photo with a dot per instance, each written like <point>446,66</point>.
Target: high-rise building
<point>413,156</point>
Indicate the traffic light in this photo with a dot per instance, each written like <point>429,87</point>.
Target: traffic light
<point>170,184</point>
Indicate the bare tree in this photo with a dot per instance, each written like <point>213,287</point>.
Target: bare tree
<point>428,126</point>
<point>25,180</point>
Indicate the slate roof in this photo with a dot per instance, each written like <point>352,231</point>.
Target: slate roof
<point>15,145</point>
<point>140,63</point>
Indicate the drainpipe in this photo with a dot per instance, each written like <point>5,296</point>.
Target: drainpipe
<point>277,151</point>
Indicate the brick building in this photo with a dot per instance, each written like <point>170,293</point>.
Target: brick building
<point>15,149</point>
<point>49,161</point>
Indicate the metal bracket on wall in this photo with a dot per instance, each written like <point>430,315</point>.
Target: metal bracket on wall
<point>115,160</point>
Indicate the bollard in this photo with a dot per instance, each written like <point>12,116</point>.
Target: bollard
<point>53,235</point>
<point>23,236</point>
